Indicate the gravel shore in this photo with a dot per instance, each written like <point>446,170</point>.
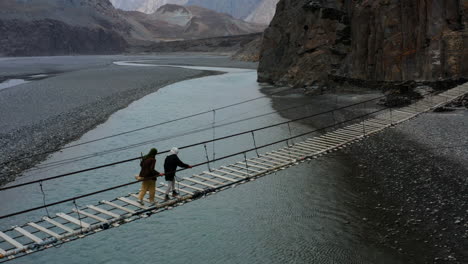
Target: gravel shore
<point>43,115</point>
<point>415,180</point>
<point>412,179</point>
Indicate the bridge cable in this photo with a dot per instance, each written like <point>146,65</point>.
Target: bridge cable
<point>102,153</point>
<point>255,144</point>
<point>207,158</point>
<point>146,127</point>
<point>188,146</point>
<point>196,165</point>
<point>44,199</point>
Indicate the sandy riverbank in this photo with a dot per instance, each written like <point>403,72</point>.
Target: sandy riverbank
<point>44,115</point>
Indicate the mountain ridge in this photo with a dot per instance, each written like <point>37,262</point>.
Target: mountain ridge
<point>59,27</point>
<point>255,11</point>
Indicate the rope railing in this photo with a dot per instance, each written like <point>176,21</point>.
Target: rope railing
<point>187,146</point>
<point>193,166</point>
<point>145,127</point>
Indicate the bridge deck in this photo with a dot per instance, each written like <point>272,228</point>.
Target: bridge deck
<point>80,222</point>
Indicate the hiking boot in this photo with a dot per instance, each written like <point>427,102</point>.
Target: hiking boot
<point>174,193</point>
<point>141,202</point>
<point>166,198</point>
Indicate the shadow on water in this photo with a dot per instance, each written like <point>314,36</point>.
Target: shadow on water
<point>298,215</point>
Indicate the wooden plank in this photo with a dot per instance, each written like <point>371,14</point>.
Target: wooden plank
<point>125,209</point>
<point>285,161</point>
<point>2,252</point>
<point>73,220</point>
<point>363,126</point>
<point>247,169</point>
<point>252,165</point>
<point>405,110</point>
<point>289,155</point>
<point>334,143</point>
<point>377,122</point>
<point>295,150</point>
<point>271,165</point>
<point>45,230</point>
<point>29,235</point>
<point>161,191</point>
<point>134,195</point>
<point>11,241</point>
<point>220,176</point>
<point>315,143</point>
<point>348,132</point>
<point>234,170</point>
<point>305,149</point>
<point>289,152</point>
<point>199,182</point>
<point>146,199</point>
<point>230,173</point>
<point>331,139</point>
<point>340,137</point>
<point>345,134</point>
<point>95,217</point>
<point>59,225</point>
<point>181,189</point>
<point>281,156</point>
<point>132,202</point>
<point>208,179</point>
<point>191,187</point>
<point>102,211</point>
<point>319,144</point>
<point>272,161</point>
<point>353,130</point>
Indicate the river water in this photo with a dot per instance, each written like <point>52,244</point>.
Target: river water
<point>298,215</point>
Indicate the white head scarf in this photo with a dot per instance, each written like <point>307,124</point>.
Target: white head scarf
<point>174,150</point>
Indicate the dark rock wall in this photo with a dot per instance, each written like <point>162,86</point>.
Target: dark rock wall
<point>52,37</point>
<point>381,40</point>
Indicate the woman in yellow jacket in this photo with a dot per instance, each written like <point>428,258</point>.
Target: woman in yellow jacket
<point>149,175</point>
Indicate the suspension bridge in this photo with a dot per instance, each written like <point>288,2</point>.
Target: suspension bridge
<point>79,222</point>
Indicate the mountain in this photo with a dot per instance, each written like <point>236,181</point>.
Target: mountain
<point>236,8</point>
<point>54,27</point>
<point>263,13</point>
<point>40,27</point>
<point>174,22</point>
<point>255,11</point>
<point>378,40</point>
<point>145,6</point>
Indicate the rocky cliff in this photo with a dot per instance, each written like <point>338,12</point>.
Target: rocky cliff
<point>311,42</point>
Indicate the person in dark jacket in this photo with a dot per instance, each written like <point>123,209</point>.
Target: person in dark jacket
<point>170,166</point>
<point>149,175</point>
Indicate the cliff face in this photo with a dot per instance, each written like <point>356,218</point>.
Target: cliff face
<point>310,42</point>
